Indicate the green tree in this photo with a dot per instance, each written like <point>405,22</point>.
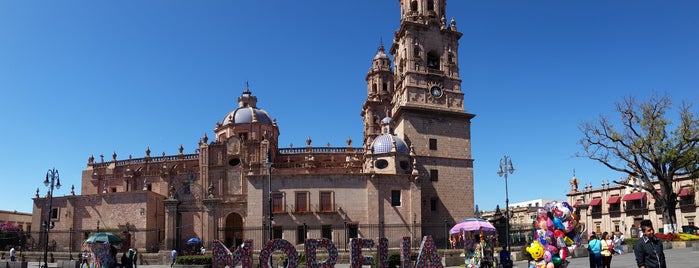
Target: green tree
<point>646,148</point>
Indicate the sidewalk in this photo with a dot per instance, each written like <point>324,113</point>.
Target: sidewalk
<point>681,257</point>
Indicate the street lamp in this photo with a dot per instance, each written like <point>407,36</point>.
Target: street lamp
<point>52,180</point>
<point>506,168</point>
<point>268,165</point>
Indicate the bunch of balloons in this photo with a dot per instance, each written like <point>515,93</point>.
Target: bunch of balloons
<point>557,234</point>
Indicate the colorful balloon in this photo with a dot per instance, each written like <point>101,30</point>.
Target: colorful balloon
<point>557,261</point>
<point>547,256</point>
<point>563,253</point>
<point>536,250</point>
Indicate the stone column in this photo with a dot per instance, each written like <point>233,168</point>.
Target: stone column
<point>211,224</point>
<point>170,222</point>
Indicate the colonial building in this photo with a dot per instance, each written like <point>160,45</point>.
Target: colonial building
<point>522,217</point>
<point>19,219</point>
<point>411,175</point>
<point>621,208</point>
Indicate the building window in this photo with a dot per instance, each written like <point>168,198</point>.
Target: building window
<point>243,136</point>
<point>395,198</point>
<point>433,204</point>
<point>112,189</point>
<point>430,5</point>
<point>326,201</point>
<point>54,213</point>
<point>433,144</point>
<point>302,202</point>
<point>277,232</point>
<point>326,231</point>
<point>149,187</point>
<point>381,164</point>
<point>352,231</point>
<point>434,175</point>
<point>301,234</point>
<point>277,202</point>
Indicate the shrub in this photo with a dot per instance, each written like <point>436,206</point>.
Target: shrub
<point>205,259</point>
<point>631,241</point>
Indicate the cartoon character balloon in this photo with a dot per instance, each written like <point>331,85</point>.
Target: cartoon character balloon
<point>536,250</point>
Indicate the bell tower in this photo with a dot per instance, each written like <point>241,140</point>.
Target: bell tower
<point>428,108</point>
<point>379,82</point>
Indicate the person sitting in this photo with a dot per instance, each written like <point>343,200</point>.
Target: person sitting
<point>505,259</point>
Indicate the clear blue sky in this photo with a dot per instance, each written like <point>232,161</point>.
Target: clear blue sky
<point>81,78</point>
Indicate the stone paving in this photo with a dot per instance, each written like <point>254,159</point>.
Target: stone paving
<point>680,258</point>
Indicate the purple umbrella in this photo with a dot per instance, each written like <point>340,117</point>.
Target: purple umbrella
<point>472,224</point>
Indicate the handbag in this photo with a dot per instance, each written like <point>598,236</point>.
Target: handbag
<point>611,248</point>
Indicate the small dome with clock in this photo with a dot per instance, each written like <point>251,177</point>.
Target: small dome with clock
<point>387,141</point>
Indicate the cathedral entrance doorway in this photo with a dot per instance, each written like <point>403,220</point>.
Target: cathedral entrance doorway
<point>234,230</point>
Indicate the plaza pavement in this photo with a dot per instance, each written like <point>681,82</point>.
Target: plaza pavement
<point>676,258</point>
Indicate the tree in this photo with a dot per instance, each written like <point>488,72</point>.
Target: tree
<point>645,148</point>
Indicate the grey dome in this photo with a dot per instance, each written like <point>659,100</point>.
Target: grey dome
<point>383,144</point>
<point>245,115</point>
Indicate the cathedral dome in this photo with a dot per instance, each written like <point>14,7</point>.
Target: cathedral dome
<point>383,144</point>
<point>247,115</point>
<point>247,111</point>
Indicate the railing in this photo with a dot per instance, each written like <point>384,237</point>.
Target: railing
<point>156,159</point>
<point>614,213</point>
<point>301,150</point>
<point>688,207</point>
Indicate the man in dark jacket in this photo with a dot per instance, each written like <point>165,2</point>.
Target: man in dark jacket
<point>649,249</point>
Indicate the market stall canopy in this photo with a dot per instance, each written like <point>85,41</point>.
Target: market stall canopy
<point>472,224</point>
<point>104,237</point>
<point>194,240</point>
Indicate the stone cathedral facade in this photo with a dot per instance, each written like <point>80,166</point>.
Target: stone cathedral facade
<point>411,175</point>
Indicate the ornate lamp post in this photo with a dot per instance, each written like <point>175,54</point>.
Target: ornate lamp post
<point>506,168</point>
<point>52,180</point>
<point>268,165</point>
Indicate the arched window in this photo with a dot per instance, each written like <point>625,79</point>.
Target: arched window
<point>430,5</point>
<point>413,6</point>
<point>432,60</point>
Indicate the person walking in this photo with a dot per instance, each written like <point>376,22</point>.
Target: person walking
<point>607,248</point>
<point>594,248</point>
<point>12,254</point>
<point>618,249</point>
<point>134,259</point>
<point>649,249</point>
<point>173,254</point>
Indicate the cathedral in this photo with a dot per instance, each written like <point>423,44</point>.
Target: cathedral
<point>410,176</point>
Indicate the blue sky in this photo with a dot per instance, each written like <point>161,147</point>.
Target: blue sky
<point>81,78</point>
